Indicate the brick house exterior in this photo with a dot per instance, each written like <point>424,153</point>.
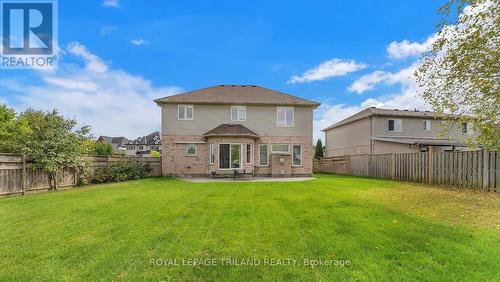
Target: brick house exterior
<point>224,129</point>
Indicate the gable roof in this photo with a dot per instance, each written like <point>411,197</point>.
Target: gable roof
<point>373,111</point>
<point>113,140</point>
<point>236,94</point>
<point>231,130</point>
<point>151,139</point>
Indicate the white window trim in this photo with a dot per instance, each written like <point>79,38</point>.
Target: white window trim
<point>211,152</point>
<point>424,122</point>
<point>267,155</point>
<point>238,118</point>
<point>395,119</point>
<point>230,161</point>
<point>251,154</point>
<point>284,124</point>
<point>301,156</point>
<point>195,150</point>
<point>185,112</point>
<point>280,152</point>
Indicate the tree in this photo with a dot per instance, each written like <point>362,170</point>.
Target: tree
<point>50,141</point>
<point>10,126</point>
<point>102,149</point>
<point>460,74</point>
<point>318,150</point>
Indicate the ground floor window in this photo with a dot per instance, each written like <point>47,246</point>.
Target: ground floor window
<point>212,153</point>
<point>229,156</point>
<point>263,155</point>
<point>297,155</point>
<point>249,153</point>
<point>280,148</point>
<point>191,150</point>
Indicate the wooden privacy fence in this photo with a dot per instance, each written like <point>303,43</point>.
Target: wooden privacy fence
<point>470,169</point>
<point>17,175</point>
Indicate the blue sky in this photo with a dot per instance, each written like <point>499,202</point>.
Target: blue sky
<point>118,55</point>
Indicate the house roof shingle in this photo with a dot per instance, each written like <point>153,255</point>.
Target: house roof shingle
<point>237,94</point>
<point>151,139</point>
<point>113,140</point>
<point>231,130</point>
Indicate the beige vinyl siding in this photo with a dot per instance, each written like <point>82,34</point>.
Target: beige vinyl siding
<point>352,138</point>
<point>260,119</point>
<point>412,127</point>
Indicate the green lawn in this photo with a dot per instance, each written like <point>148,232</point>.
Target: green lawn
<point>387,231</point>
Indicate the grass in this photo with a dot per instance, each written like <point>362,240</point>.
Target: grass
<point>387,230</point>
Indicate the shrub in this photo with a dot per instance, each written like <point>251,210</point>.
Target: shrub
<point>102,149</point>
<point>120,171</point>
<point>84,173</point>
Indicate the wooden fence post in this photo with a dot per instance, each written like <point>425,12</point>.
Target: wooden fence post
<point>486,170</point>
<point>23,181</point>
<point>430,164</point>
<point>393,166</point>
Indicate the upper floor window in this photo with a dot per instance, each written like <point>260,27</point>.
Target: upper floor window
<point>426,125</point>
<point>466,128</point>
<point>394,125</point>
<point>130,147</point>
<point>284,116</point>
<point>185,112</point>
<point>238,113</point>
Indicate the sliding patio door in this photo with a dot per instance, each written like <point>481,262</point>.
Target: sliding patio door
<point>229,156</point>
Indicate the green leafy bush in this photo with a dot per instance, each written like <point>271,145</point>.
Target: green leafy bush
<point>120,171</point>
<point>84,173</point>
<point>102,149</point>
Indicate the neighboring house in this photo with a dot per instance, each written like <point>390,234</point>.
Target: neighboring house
<point>118,143</point>
<point>247,129</point>
<point>379,131</point>
<point>142,146</point>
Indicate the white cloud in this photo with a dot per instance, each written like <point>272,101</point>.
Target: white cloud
<point>409,97</point>
<point>331,68</point>
<point>368,82</point>
<point>111,4</point>
<point>110,100</point>
<point>92,62</point>
<point>405,48</point>
<point>139,42</point>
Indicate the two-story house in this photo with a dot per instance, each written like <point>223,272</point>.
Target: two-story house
<point>379,131</point>
<point>118,143</point>
<point>142,146</point>
<point>244,128</point>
